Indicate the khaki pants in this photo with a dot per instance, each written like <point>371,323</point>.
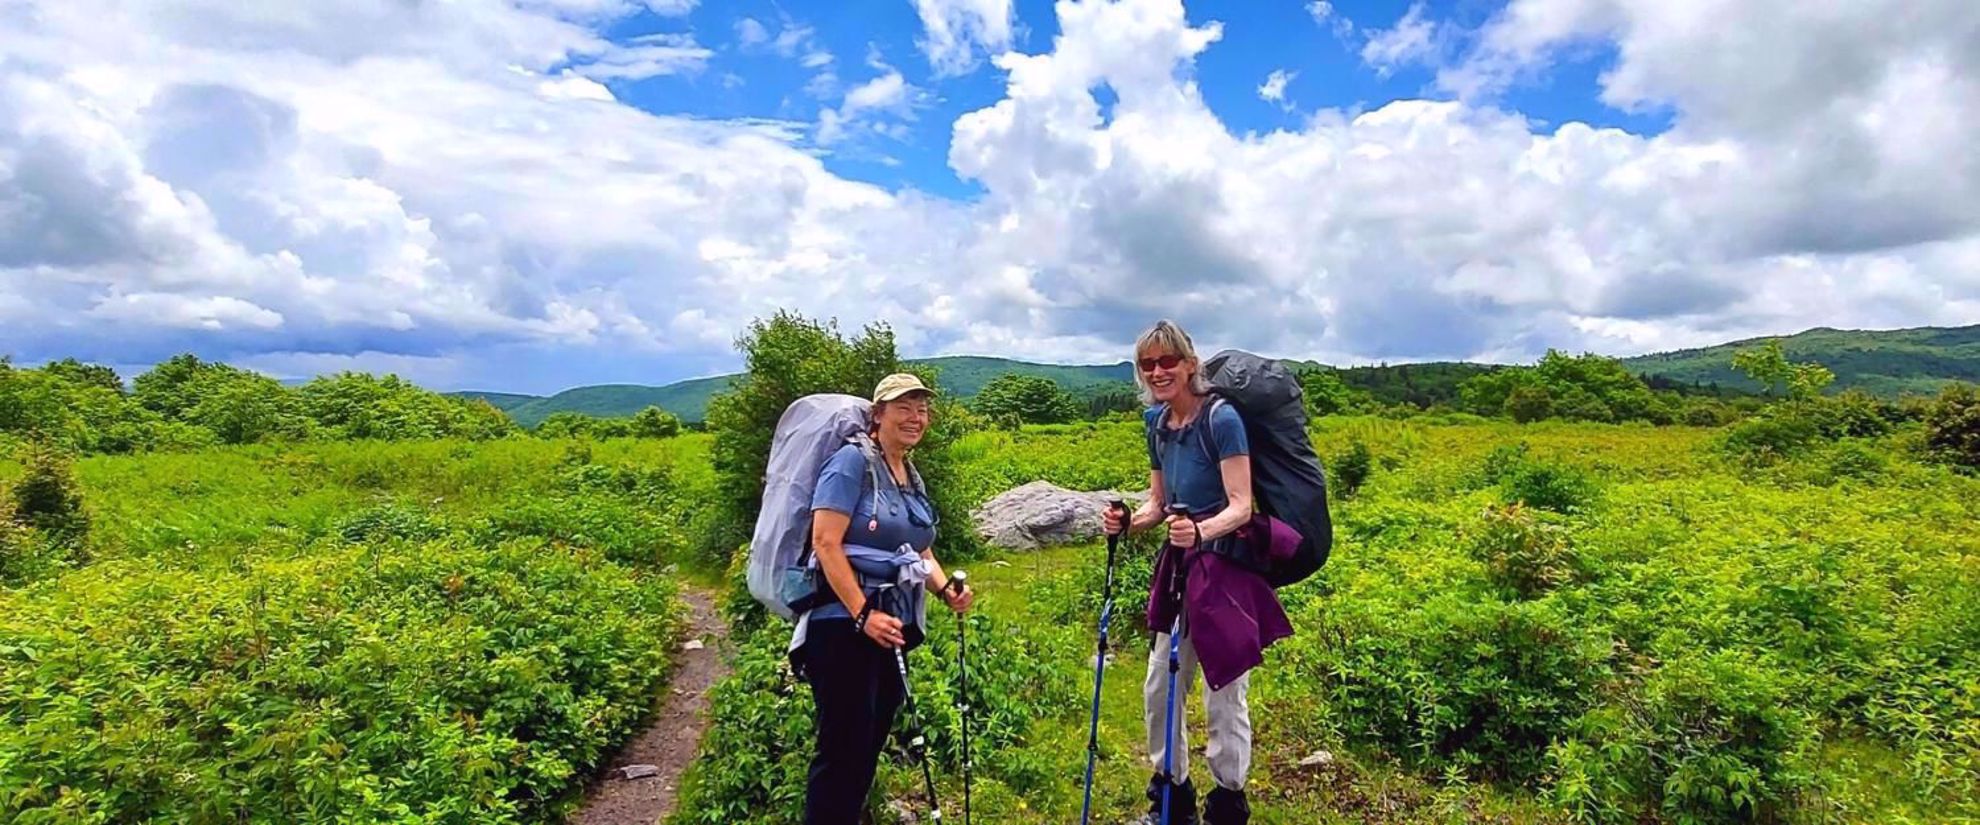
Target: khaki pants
<point>1229,750</point>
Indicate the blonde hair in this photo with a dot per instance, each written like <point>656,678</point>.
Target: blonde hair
<point>1166,337</point>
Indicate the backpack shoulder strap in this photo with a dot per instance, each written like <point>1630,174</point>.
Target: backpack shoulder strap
<point>1202,427</point>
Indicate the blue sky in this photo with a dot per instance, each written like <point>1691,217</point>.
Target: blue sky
<point>529,195</point>
<point>1259,38</point>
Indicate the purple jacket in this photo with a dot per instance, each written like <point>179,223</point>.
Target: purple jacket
<point>1232,615</point>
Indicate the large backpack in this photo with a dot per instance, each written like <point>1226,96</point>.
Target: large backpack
<point>811,429</point>
<point>1287,482</point>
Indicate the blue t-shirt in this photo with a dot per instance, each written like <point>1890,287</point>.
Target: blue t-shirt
<point>845,485</point>
<point>1189,473</point>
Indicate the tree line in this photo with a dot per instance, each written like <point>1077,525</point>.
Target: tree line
<point>188,403</point>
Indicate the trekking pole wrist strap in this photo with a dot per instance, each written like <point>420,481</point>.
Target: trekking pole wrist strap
<point>859,622</point>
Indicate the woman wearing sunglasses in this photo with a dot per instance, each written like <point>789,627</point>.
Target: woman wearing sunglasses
<point>1199,464</point>
<point>872,529</point>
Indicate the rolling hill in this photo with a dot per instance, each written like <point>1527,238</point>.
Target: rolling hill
<point>1887,363</point>
<point>1883,362</point>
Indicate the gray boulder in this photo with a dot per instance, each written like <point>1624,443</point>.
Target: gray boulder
<point>1041,514</point>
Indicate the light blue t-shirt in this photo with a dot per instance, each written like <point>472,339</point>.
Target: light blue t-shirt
<point>845,485</point>
<point>1190,474</point>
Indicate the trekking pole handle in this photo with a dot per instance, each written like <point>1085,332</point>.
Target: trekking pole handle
<point>957,581</point>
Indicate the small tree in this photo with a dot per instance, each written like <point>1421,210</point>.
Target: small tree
<point>48,497</point>
<point>1768,365</point>
<point>1326,393</point>
<point>654,422</point>
<point>1529,403</point>
<point>785,358</point>
<point>1952,425</point>
<point>1028,398</point>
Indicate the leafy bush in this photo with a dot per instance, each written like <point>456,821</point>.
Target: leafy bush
<point>654,422</point>
<point>1706,738</point>
<point>1326,394</point>
<point>788,357</point>
<point>48,498</point>
<point>386,522</point>
<point>760,719</point>
<point>1778,434</point>
<point>1537,483</point>
<point>1457,681</point>
<point>1523,554</point>
<point>1952,426</point>
<point>1029,399</point>
<point>1350,469</point>
<point>437,683</point>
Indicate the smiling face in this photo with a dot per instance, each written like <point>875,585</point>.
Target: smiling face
<point>1167,374</point>
<point>904,420</point>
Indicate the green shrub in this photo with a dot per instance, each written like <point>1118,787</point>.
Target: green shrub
<point>760,719</point>
<point>1458,681</point>
<point>653,422</point>
<point>1523,554</point>
<point>1028,399</point>
<point>1952,426</point>
<point>1548,485</point>
<point>1778,434</point>
<point>388,521</point>
<point>1350,469</point>
<point>48,498</point>
<point>1706,738</point>
<point>437,683</point>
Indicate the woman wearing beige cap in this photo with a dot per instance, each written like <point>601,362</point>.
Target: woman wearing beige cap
<point>873,531</point>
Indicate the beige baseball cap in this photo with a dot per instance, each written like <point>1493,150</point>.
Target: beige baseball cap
<point>897,385</point>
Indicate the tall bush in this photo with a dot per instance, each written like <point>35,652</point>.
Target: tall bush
<point>785,358</point>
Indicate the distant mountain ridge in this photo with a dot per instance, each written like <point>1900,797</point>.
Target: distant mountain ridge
<point>1886,363</point>
<point>1883,362</point>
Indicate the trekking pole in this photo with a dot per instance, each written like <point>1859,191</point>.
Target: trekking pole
<point>1100,663</point>
<point>1175,664</point>
<point>957,583</point>
<point>918,741</point>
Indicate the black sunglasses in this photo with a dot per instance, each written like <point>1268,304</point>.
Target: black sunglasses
<point>1167,362</point>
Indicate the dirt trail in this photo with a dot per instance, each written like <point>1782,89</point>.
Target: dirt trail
<point>672,736</point>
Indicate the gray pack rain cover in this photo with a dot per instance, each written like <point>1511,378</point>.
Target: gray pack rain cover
<point>811,429</point>
<point>1286,479</point>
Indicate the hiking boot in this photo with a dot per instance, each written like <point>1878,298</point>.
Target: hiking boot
<point>1182,803</point>
<point>1226,807</point>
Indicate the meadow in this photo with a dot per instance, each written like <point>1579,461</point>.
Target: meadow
<point>345,632</point>
<point>1551,622</point>
<point>1519,623</point>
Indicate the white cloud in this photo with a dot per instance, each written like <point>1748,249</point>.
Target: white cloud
<point>652,55</point>
<point>439,187</point>
<point>889,93</point>
<point>1273,90</point>
<point>1320,10</point>
<point>214,312</point>
<point>798,42</point>
<point>1413,40</point>
<point>954,32</point>
<point>749,32</point>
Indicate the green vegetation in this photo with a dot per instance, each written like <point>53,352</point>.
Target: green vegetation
<point>1655,634</point>
<point>1884,363</point>
<point>374,609</point>
<point>186,403</point>
<point>435,631</point>
<point>1025,399</point>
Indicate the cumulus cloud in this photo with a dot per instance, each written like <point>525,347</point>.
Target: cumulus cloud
<point>442,189</point>
<point>956,31</point>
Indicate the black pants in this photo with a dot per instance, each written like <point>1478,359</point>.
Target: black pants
<point>855,689</point>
